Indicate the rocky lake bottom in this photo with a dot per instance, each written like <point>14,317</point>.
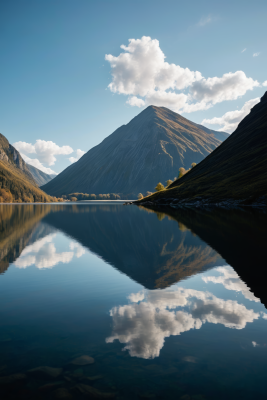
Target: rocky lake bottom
<point>107,301</point>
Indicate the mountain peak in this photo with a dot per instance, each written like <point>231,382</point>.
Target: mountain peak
<point>149,149</point>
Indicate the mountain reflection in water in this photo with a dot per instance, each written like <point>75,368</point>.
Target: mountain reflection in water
<point>93,280</point>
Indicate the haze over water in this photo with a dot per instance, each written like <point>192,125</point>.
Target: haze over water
<point>169,305</point>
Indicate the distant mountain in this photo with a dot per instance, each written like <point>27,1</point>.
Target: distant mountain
<point>40,177</point>
<point>234,173</point>
<point>15,176</point>
<point>150,148</point>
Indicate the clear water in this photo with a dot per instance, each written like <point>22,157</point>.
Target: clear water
<point>163,314</point>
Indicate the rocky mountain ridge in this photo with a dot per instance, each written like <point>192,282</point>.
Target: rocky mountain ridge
<point>150,148</point>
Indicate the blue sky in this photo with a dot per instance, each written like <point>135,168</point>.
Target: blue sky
<point>55,79</point>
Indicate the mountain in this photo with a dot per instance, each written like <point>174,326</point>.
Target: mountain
<point>10,156</point>
<point>16,181</point>
<point>234,173</point>
<point>40,177</point>
<point>150,148</point>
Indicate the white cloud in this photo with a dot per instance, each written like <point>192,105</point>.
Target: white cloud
<point>80,250</point>
<point>141,70</point>
<point>136,297</point>
<point>45,150</point>
<point>42,254</point>
<point>229,87</point>
<point>36,163</point>
<point>255,344</point>
<point>79,154</point>
<point>231,281</point>
<point>204,21</point>
<point>264,83</point>
<point>231,119</point>
<point>256,54</point>
<point>144,325</point>
<point>243,50</point>
<point>134,101</point>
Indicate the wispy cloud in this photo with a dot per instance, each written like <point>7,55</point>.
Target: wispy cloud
<point>204,20</point>
<point>256,54</point>
<point>244,50</point>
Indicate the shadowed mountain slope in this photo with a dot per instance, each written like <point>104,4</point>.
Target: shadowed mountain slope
<point>150,148</point>
<point>16,177</point>
<point>40,177</point>
<point>236,171</point>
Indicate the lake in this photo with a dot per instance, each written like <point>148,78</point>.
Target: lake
<point>111,301</point>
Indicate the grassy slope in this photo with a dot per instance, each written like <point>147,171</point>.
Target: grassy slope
<point>237,169</point>
<point>19,183</point>
<point>15,176</point>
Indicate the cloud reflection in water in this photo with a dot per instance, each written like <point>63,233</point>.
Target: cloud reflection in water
<point>43,254</point>
<point>152,316</point>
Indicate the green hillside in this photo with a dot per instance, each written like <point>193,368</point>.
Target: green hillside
<point>234,173</point>
<point>16,181</point>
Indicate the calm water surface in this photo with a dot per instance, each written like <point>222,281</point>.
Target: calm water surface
<point>170,306</point>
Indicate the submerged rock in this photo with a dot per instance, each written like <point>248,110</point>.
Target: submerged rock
<point>7,380</point>
<point>62,393</point>
<point>83,360</point>
<point>44,372</point>
<point>94,378</point>
<point>49,386</point>
<point>94,393</point>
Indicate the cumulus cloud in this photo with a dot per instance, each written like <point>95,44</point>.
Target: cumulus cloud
<point>143,325</point>
<point>231,119</point>
<point>136,297</point>
<point>256,54</point>
<point>79,154</point>
<point>142,73</point>
<point>43,254</point>
<point>80,250</point>
<point>231,281</point>
<point>264,83</point>
<point>36,163</point>
<point>229,87</point>
<point>134,101</point>
<point>45,150</point>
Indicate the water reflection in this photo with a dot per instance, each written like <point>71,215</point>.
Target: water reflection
<point>231,281</point>
<point>151,249</point>
<point>159,287</point>
<point>155,315</point>
<point>43,253</point>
